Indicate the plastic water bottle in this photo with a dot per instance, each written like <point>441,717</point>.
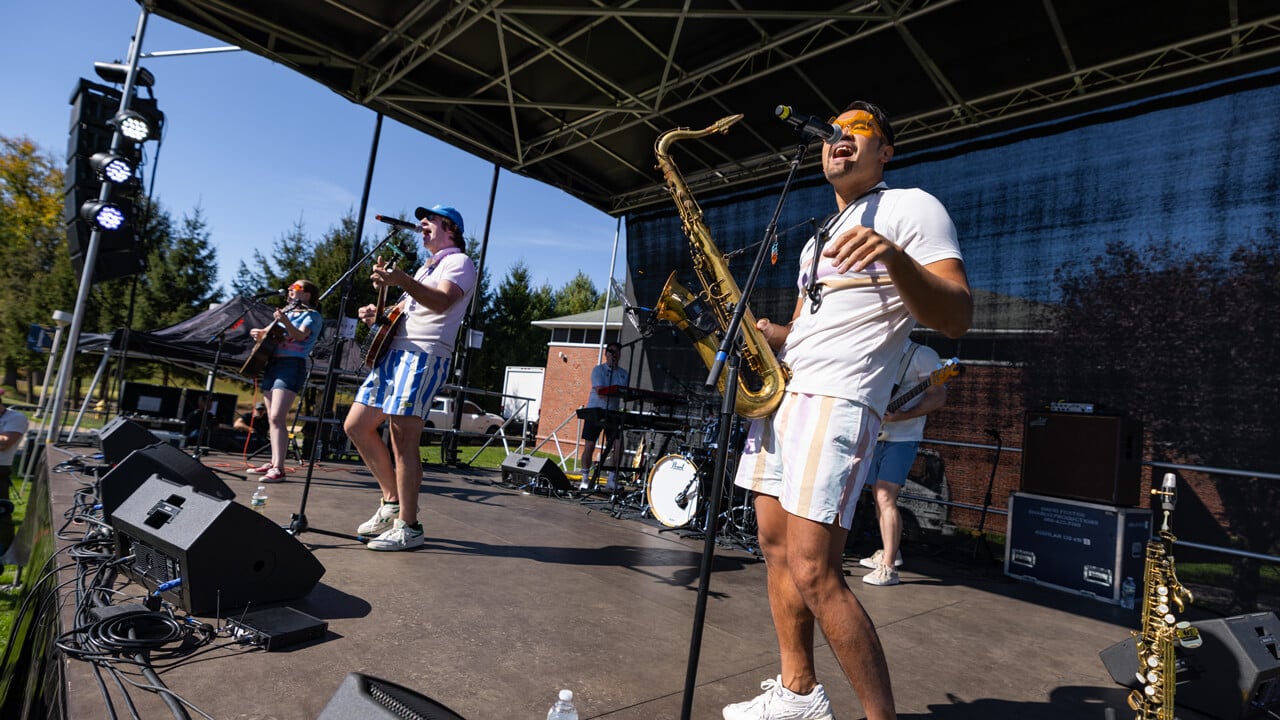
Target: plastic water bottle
<point>1128,591</point>
<point>259,500</point>
<point>563,708</point>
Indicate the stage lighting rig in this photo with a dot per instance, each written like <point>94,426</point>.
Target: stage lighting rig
<point>135,126</point>
<point>113,167</point>
<point>104,216</point>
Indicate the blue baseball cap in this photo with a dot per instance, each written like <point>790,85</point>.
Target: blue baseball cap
<point>442,211</point>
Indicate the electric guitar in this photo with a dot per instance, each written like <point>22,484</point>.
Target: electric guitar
<point>264,347</point>
<point>949,369</point>
<point>384,328</point>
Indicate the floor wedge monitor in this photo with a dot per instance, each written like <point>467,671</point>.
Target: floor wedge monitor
<point>121,436</point>
<point>165,460</point>
<point>207,555</point>
<point>368,698</point>
<point>534,467</point>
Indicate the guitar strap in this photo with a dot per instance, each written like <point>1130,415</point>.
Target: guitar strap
<point>903,366</point>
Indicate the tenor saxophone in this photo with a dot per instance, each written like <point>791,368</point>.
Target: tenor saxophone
<point>1161,630</point>
<point>720,294</point>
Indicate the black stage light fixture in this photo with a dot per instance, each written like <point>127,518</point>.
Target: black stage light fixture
<point>134,125</point>
<point>112,167</point>
<point>116,73</point>
<point>105,216</point>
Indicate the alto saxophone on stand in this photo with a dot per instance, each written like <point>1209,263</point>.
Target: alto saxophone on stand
<point>720,294</point>
<point>1161,630</point>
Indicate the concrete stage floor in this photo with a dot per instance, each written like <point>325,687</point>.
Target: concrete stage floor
<point>515,596</point>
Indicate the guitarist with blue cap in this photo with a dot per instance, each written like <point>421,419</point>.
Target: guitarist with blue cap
<point>408,370</point>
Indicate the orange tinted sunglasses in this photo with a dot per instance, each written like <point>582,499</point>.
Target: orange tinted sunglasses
<point>860,123</point>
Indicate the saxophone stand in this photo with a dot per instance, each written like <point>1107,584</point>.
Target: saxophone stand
<point>729,352</point>
<point>298,524</point>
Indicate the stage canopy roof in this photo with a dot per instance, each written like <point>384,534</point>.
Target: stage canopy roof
<point>574,92</point>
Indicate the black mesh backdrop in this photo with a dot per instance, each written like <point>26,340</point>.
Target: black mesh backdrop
<point>1125,259</point>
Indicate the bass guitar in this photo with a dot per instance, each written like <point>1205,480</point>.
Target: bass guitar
<point>264,347</point>
<point>384,328</point>
<point>948,370</point>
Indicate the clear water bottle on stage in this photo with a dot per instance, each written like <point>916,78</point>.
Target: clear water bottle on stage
<point>259,500</point>
<point>563,709</point>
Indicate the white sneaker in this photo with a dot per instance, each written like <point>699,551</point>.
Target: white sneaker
<point>873,562</point>
<point>883,575</point>
<point>381,520</point>
<point>779,703</point>
<point>401,536</point>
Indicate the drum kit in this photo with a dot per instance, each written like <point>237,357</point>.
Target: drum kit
<point>677,484</point>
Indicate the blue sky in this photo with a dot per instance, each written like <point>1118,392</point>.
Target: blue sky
<point>300,152</point>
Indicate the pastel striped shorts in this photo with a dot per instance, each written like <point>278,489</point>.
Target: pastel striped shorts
<point>813,454</point>
<point>404,383</point>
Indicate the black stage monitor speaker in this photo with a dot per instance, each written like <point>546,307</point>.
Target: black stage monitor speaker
<point>368,698</point>
<point>225,554</point>
<point>121,436</point>
<point>1233,675</point>
<point>161,459</point>
<point>535,467</point>
<point>1095,458</point>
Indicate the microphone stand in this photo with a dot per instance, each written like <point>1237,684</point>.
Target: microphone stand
<point>298,523</point>
<point>728,352</point>
<point>221,337</point>
<point>980,540</point>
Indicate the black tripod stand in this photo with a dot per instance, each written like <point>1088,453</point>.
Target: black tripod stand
<point>299,523</point>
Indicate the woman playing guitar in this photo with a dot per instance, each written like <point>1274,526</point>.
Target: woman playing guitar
<point>286,371</point>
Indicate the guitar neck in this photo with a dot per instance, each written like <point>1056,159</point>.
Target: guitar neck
<point>908,396</point>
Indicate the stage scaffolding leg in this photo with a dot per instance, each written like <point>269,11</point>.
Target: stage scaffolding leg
<point>88,397</point>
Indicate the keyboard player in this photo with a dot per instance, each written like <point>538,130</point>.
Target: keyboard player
<point>604,375</point>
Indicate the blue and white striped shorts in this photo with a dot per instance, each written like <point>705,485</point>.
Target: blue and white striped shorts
<point>813,454</point>
<point>404,383</point>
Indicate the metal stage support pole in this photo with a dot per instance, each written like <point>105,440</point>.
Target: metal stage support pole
<point>298,523</point>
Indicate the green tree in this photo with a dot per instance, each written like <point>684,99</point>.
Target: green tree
<point>35,267</point>
<point>178,283</point>
<point>578,295</point>
<point>510,337</point>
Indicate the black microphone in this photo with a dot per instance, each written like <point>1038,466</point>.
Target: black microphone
<point>809,126</point>
<point>397,222</point>
<point>682,500</point>
<point>270,293</point>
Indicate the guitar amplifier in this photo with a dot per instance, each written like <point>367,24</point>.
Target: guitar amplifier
<point>1094,458</point>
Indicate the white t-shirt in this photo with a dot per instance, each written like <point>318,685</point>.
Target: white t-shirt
<point>12,421</point>
<point>850,347</point>
<point>923,363</point>
<point>426,330</point>
<point>603,376</point>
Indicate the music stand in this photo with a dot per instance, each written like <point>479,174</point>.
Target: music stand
<point>728,352</point>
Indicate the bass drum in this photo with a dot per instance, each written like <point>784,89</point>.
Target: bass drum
<point>674,479</point>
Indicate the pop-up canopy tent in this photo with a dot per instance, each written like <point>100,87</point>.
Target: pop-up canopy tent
<point>194,342</point>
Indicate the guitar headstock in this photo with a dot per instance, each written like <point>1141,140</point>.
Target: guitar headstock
<point>949,369</point>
